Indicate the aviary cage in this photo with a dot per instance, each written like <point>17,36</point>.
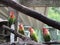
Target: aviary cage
<point>33,14</point>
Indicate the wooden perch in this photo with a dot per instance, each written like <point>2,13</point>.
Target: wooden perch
<point>30,43</point>
<point>31,13</point>
<point>54,42</point>
<point>22,43</point>
<point>16,34</point>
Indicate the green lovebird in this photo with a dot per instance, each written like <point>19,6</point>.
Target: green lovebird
<point>21,29</point>
<point>11,18</point>
<point>46,35</point>
<point>33,34</point>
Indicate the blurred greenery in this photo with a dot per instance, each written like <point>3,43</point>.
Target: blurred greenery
<point>54,13</point>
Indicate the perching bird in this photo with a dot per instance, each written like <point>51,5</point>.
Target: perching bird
<point>33,34</point>
<point>21,29</point>
<point>46,35</point>
<point>11,18</point>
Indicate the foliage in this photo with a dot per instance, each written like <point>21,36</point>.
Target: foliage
<point>54,13</point>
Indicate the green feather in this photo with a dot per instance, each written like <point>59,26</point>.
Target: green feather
<point>11,21</point>
<point>47,38</point>
<point>22,32</point>
<point>34,37</point>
